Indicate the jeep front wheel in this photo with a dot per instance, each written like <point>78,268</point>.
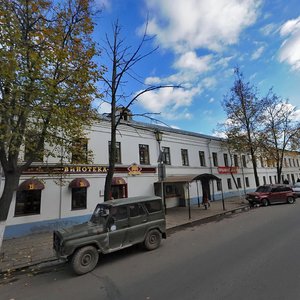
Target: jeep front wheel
<point>265,202</point>
<point>85,260</point>
<point>152,240</point>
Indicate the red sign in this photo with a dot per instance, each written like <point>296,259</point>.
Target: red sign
<point>227,170</point>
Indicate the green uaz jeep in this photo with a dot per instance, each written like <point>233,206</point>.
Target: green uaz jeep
<point>114,225</point>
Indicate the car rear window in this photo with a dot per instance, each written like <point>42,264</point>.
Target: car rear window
<point>153,206</point>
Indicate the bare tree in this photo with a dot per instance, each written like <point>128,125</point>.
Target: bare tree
<point>123,59</point>
<point>244,113</point>
<point>280,132</point>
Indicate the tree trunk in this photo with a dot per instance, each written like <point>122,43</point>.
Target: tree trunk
<point>254,164</point>
<point>10,186</point>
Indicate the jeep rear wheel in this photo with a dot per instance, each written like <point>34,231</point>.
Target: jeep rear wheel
<point>85,260</point>
<point>290,200</point>
<point>152,240</point>
<point>265,202</point>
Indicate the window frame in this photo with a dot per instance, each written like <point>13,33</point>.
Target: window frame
<point>25,197</point>
<point>76,192</point>
<point>166,155</point>
<point>118,159</point>
<point>185,157</point>
<point>144,154</point>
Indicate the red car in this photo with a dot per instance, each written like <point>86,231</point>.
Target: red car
<point>271,193</point>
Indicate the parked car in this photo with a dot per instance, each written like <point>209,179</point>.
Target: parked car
<point>271,193</point>
<point>114,225</point>
<point>296,189</point>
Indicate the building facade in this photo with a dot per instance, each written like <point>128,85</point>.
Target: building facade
<point>150,159</point>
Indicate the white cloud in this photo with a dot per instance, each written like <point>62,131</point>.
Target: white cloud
<point>257,53</point>
<point>189,60</point>
<point>169,101</point>
<point>290,48</point>
<point>190,24</point>
<point>268,29</point>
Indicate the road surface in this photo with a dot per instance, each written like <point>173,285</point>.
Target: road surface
<point>251,255</point>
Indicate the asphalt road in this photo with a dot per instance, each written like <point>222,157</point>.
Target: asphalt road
<point>252,255</point>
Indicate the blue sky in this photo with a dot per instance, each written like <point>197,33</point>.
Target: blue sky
<point>200,43</point>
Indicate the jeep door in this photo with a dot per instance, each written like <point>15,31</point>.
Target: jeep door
<point>137,223</point>
<point>118,234</point>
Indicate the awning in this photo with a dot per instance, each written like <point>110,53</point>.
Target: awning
<point>118,181</point>
<point>190,178</point>
<point>79,183</point>
<point>31,184</point>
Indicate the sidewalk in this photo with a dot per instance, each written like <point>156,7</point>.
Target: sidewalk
<point>36,249</point>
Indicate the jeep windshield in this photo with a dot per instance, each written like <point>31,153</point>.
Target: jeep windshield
<point>100,213</point>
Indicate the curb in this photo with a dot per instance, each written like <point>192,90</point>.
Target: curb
<point>52,262</point>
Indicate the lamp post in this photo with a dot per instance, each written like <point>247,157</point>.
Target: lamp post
<point>161,166</point>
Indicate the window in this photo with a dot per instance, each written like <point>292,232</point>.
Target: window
<point>80,151</point>
<point>28,202</point>
<point>215,159</point>
<point>247,182</point>
<point>229,183</point>
<point>270,179</point>
<point>136,210</point>
<point>166,155</point>
<point>31,143</point>
<point>239,183</point>
<point>219,185</point>
<point>79,198</point>
<point>285,162</point>
<point>118,151</point>
<point>264,180</point>
<point>244,162</point>
<point>262,162</point>
<point>236,160</point>
<point>225,159</point>
<point>153,206</point>
<point>119,212</point>
<point>144,154</point>
<point>202,158</point>
<point>184,157</point>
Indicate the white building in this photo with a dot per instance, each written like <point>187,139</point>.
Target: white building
<point>58,192</point>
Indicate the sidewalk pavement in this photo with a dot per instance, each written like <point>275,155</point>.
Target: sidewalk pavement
<point>36,250</point>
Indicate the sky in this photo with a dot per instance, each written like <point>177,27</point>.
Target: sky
<point>200,42</point>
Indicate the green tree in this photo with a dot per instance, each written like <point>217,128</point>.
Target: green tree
<point>244,112</point>
<point>280,132</point>
<point>47,82</point>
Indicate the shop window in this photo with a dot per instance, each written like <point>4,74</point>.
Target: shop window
<point>80,151</point>
<point>215,159</point>
<point>79,196</point>
<point>184,157</point>
<point>118,151</point>
<point>171,190</point>
<point>31,143</point>
<point>166,155</point>
<point>144,154</point>
<point>202,158</point>
<point>28,202</point>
